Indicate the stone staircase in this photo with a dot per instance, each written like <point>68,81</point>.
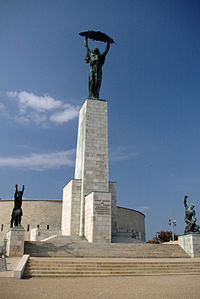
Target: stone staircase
<point>101,267</point>
<point>76,247</point>
<point>73,257</point>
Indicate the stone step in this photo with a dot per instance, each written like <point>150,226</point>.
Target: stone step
<point>52,267</point>
<point>112,270</point>
<point>110,251</point>
<point>83,267</point>
<point>39,264</point>
<point>107,272</point>
<point>75,246</point>
<point>106,275</point>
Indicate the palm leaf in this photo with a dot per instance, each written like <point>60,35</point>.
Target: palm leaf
<point>98,36</point>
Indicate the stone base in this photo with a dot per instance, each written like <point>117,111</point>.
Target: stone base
<point>15,243</point>
<point>98,217</point>
<point>190,243</point>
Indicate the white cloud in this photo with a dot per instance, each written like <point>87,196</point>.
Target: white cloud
<point>23,120</point>
<point>30,100</point>
<point>2,107</point>
<point>41,109</point>
<point>66,115</point>
<point>40,162</point>
<point>121,153</point>
<point>3,111</point>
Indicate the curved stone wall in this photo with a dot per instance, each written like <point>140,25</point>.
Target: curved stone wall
<point>130,225</point>
<point>35,212</point>
<point>47,214</point>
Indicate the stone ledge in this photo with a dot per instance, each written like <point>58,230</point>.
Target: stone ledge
<point>19,271</point>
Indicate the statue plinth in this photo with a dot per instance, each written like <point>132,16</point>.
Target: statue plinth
<point>87,199</point>
<point>190,243</point>
<point>15,243</point>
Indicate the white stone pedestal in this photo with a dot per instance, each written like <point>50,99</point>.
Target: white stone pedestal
<point>190,243</point>
<point>98,217</point>
<point>92,152</point>
<point>15,243</point>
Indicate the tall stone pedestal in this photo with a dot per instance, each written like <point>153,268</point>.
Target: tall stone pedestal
<point>87,198</point>
<point>190,243</point>
<point>15,243</point>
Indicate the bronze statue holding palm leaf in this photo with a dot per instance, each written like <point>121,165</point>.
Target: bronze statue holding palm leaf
<point>96,60</point>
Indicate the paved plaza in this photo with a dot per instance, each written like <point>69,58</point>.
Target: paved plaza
<point>155,287</point>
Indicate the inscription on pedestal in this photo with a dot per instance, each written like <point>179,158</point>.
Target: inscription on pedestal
<point>102,207</point>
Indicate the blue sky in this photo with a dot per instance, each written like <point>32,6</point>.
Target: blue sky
<point>150,79</point>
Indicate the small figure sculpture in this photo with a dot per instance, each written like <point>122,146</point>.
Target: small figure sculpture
<point>190,218</point>
<point>96,60</point>
<point>17,210</point>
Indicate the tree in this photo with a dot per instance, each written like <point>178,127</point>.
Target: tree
<point>162,236</point>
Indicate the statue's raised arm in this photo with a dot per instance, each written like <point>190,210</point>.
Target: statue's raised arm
<point>87,58</point>
<point>22,189</point>
<point>185,201</point>
<point>106,50</point>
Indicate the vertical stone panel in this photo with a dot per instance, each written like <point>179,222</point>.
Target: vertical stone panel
<point>89,217</point>
<point>71,208</point>
<point>113,191</point>
<point>98,217</point>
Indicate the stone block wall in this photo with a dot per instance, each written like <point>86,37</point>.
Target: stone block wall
<point>15,242</point>
<point>36,212</point>
<point>190,243</point>
<point>98,217</point>
<point>130,222</point>
<point>71,208</point>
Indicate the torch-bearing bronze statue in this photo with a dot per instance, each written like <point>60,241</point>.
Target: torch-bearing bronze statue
<point>96,60</point>
<point>17,210</point>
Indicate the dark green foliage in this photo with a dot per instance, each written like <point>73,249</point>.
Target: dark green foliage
<point>162,236</point>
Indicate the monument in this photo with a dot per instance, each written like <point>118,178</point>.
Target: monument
<point>88,208</point>
<point>89,203</point>
<point>190,241</point>
<point>15,236</point>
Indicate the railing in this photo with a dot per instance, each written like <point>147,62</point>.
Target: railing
<point>3,263</point>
